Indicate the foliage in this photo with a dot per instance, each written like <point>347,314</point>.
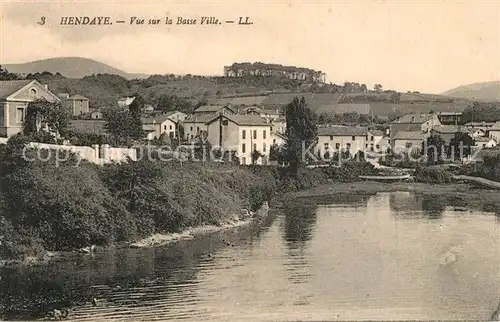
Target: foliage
<point>51,113</point>
<point>255,156</point>
<point>434,149</point>
<point>432,175</point>
<point>135,109</point>
<point>479,112</point>
<point>6,76</point>
<point>461,145</point>
<point>301,130</point>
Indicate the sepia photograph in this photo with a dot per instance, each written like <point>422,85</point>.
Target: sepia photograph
<point>249,161</point>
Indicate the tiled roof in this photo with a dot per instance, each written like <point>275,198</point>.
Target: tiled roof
<point>247,119</point>
<point>376,132</point>
<point>414,118</point>
<point>409,135</point>
<point>211,108</point>
<point>77,97</point>
<point>8,88</point>
<point>159,118</point>
<point>342,131</point>
<point>199,118</point>
<point>448,129</point>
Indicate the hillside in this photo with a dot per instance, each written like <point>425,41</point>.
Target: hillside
<point>487,91</point>
<point>71,67</point>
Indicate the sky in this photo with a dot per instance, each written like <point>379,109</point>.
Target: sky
<point>428,46</point>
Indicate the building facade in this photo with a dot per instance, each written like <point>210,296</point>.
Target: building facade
<point>341,139</point>
<point>242,134</point>
<point>77,104</point>
<point>14,99</point>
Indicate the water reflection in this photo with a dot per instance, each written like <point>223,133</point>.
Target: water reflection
<point>355,258</point>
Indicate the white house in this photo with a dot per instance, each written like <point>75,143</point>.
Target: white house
<point>124,102</point>
<point>405,140</point>
<point>494,131</point>
<point>341,138</point>
<point>413,123</point>
<point>165,123</point>
<point>485,142</point>
<point>242,134</point>
<point>476,132</point>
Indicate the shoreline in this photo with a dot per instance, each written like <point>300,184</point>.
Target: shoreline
<point>155,240</point>
<point>159,240</point>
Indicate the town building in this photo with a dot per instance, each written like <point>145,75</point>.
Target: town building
<point>494,131</point>
<point>410,123</point>
<point>447,132</point>
<point>336,139</point>
<point>242,134</point>
<point>14,98</point>
<point>405,140</point>
<point>77,104</point>
<point>124,102</point>
<point>148,109</point>
<point>166,123</point>
<point>376,141</point>
<point>450,118</point>
<point>485,142</point>
<point>476,133</point>
<point>214,110</point>
<point>96,115</point>
<point>196,125</point>
<point>479,125</point>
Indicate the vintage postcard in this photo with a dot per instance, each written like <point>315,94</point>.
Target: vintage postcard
<point>249,161</point>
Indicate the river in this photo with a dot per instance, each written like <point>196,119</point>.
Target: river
<point>390,256</point>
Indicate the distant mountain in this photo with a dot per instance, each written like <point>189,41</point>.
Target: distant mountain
<point>70,67</point>
<point>487,91</point>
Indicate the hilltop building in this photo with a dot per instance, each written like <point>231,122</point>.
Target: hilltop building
<point>273,70</point>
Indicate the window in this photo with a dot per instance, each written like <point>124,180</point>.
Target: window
<point>32,93</point>
<point>20,115</point>
<point>371,147</point>
<point>225,122</point>
<point>348,146</point>
<point>243,134</point>
<point>197,129</point>
<point>254,134</point>
<point>264,134</point>
<point>243,148</point>
<point>191,129</point>
<point>170,126</point>
<point>337,146</point>
<point>326,145</point>
<point>377,146</point>
<point>353,138</point>
<point>371,138</point>
<point>408,145</point>
<point>331,137</point>
<point>264,147</point>
<point>164,127</point>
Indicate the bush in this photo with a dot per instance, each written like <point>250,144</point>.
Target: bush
<point>432,175</point>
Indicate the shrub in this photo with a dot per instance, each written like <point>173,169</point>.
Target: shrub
<point>432,175</point>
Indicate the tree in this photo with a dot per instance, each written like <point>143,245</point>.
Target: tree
<point>255,156</point>
<point>461,145</point>
<point>301,129</point>
<point>433,149</point>
<point>51,113</point>
<point>135,130</point>
<point>377,88</point>
<point>5,75</point>
<point>117,123</point>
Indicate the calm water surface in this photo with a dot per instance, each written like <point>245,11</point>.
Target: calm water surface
<point>389,256</point>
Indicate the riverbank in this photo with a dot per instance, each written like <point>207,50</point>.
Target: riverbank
<point>460,195</point>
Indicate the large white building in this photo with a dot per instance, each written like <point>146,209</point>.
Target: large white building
<point>336,139</point>
<point>242,134</point>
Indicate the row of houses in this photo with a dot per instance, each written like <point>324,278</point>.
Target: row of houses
<point>412,129</point>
